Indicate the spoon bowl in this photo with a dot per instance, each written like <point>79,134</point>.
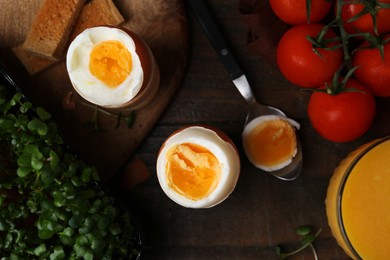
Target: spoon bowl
<point>256,109</point>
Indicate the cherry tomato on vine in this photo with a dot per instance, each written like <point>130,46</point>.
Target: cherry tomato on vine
<point>342,117</point>
<point>298,62</point>
<point>373,69</point>
<point>294,11</point>
<point>365,22</point>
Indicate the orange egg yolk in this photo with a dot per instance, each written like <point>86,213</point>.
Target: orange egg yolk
<point>192,170</point>
<point>271,142</point>
<point>110,62</point>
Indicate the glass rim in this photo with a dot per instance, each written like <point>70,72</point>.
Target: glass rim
<point>340,192</point>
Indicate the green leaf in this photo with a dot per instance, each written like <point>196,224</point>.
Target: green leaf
<point>66,240</point>
<point>76,181</point>
<point>24,159</point>
<point>40,250</point>
<point>308,239</point>
<point>76,221</point>
<point>8,240</point>
<point>58,253</point>
<point>43,129</point>
<point>2,100</point>
<point>68,231</point>
<point>81,205</point>
<point>61,214</point>
<point>54,160</point>
<point>110,211</point>
<point>46,204</point>
<point>45,234</point>
<point>14,210</point>
<point>36,163</point>
<point>47,176</point>
<point>71,170</point>
<point>25,107</point>
<point>103,222</point>
<point>278,250</point>
<point>43,114</point>
<point>98,245</point>
<point>23,171</point>
<point>70,191</point>
<point>115,230</point>
<point>16,98</point>
<point>83,251</point>
<point>7,125</point>
<point>38,126</point>
<point>3,224</point>
<point>82,240</point>
<point>59,198</point>
<point>303,230</point>
<point>31,149</point>
<point>86,175</point>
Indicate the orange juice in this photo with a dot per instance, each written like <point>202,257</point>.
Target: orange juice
<point>358,202</point>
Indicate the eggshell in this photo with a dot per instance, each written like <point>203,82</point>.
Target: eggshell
<point>252,125</point>
<point>149,68</point>
<point>217,143</point>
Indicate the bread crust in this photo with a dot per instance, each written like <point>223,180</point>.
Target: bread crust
<point>51,28</point>
<point>95,13</point>
<point>31,61</point>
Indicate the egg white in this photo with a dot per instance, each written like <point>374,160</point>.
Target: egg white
<point>90,87</point>
<point>252,125</point>
<point>222,150</point>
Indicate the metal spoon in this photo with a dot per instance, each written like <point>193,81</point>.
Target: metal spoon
<point>209,25</point>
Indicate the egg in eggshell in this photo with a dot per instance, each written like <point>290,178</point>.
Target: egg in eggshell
<point>198,167</point>
<point>112,68</point>
<point>270,142</point>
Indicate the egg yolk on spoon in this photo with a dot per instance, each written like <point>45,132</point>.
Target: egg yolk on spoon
<point>271,144</point>
<point>192,170</point>
<point>110,62</point>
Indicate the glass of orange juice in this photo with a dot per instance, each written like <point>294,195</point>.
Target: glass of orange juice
<point>358,201</point>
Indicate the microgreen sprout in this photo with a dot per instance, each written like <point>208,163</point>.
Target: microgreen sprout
<point>51,203</point>
<point>128,118</point>
<point>307,238</point>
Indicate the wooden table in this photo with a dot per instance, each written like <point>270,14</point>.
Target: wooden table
<point>263,211</point>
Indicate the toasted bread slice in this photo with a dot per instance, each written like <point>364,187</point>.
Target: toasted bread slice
<point>95,13</point>
<point>51,28</point>
<point>32,62</point>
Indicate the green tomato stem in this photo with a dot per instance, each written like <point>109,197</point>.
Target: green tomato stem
<point>343,34</point>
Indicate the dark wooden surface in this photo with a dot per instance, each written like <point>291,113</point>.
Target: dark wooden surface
<point>108,150</point>
<point>263,211</point>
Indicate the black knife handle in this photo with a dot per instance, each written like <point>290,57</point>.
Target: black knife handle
<point>217,39</point>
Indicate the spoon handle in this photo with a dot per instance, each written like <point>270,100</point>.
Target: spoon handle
<point>209,25</point>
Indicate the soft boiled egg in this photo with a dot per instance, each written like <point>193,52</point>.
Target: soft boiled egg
<point>104,67</point>
<point>198,167</point>
<point>270,142</point>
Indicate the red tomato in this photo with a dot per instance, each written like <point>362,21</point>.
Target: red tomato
<point>373,71</point>
<point>294,11</point>
<point>364,23</point>
<point>297,61</point>
<point>342,117</point>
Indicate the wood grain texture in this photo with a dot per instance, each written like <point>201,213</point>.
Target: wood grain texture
<point>263,211</point>
<point>162,24</point>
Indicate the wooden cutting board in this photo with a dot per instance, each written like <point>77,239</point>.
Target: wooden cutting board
<point>161,23</point>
